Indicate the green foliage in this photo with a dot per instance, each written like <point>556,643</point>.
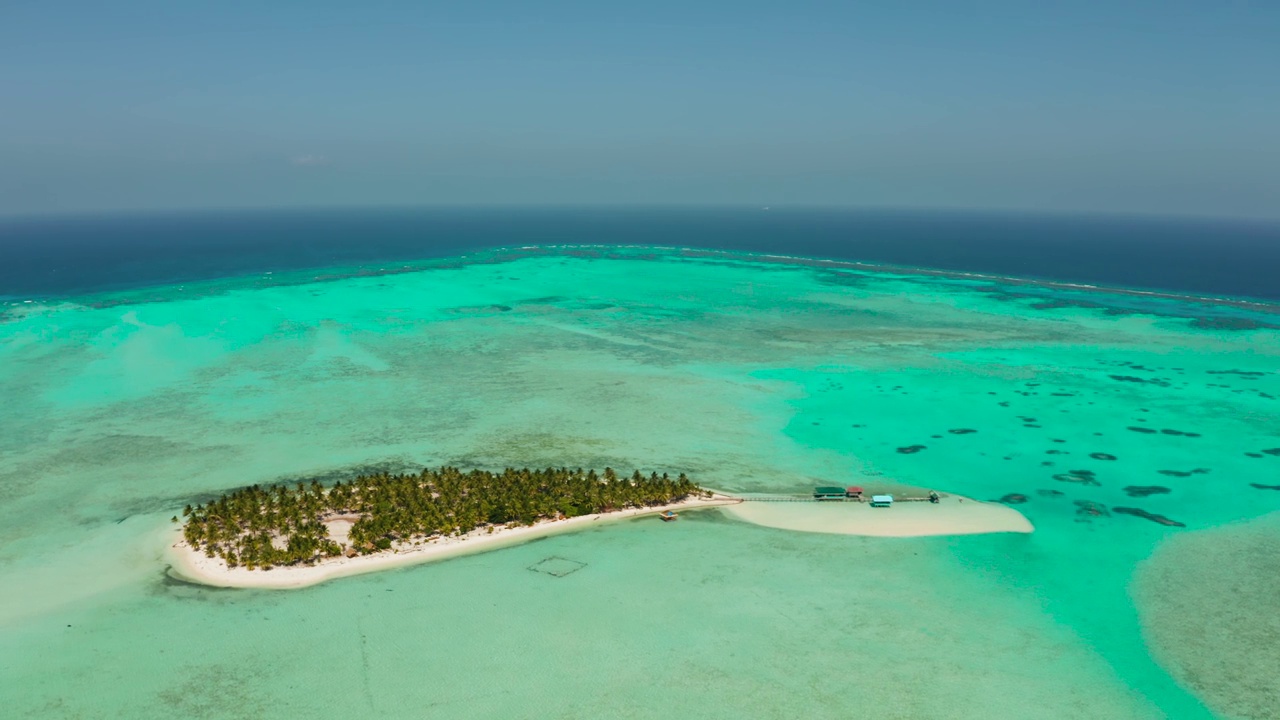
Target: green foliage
<point>262,528</point>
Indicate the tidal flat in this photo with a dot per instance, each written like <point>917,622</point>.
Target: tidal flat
<point>751,374</point>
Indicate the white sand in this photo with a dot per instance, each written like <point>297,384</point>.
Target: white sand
<point>954,515</point>
<point>190,564</point>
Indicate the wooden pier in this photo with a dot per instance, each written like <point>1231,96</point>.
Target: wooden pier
<point>780,498</point>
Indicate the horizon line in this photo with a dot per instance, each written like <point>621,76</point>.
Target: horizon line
<point>1134,215</point>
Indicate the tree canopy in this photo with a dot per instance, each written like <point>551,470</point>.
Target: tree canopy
<point>259,527</point>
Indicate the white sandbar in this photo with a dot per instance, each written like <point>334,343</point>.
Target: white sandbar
<point>190,564</point>
<point>953,515</point>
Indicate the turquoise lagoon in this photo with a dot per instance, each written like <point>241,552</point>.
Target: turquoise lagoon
<point>752,374</point>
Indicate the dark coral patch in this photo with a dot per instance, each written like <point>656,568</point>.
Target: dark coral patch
<point>1272,451</point>
<point>911,449</point>
<point>1145,490</point>
<point>1052,304</point>
<point>1083,477</point>
<point>1102,456</point>
<point>1171,431</point>
<point>1185,473</point>
<point>962,431</point>
<point>1162,520</point>
<point>1260,486</point>
<point>1014,499</point>
<point>842,279</point>
<point>1254,455</point>
<point>1228,324</point>
<point>1130,378</point>
<point>1241,373</point>
<point>475,309</point>
<point>1050,493</point>
<point>1137,429</point>
<point>1088,509</point>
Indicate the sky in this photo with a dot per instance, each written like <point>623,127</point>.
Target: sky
<point>1166,107</point>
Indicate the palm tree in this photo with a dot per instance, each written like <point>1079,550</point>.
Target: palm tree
<point>239,526</point>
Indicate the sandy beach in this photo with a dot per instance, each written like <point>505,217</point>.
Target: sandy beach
<point>953,515</point>
<point>189,564</point>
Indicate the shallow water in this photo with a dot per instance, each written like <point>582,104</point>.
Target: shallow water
<point>1207,604</point>
<point>751,376</point>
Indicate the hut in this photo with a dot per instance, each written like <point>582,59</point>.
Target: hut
<point>828,493</point>
<point>853,492</point>
<point>881,500</point>
<point>668,516</point>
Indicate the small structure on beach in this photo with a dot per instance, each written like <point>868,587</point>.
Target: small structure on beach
<point>668,516</point>
<point>828,492</point>
<point>881,500</point>
<point>854,492</point>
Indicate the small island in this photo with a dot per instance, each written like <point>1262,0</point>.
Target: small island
<point>308,533</point>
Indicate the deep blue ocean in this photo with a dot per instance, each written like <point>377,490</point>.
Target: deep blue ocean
<point>60,256</point>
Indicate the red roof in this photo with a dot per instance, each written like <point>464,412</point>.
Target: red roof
<point>853,489</point>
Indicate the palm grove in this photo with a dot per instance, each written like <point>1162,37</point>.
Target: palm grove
<point>263,527</point>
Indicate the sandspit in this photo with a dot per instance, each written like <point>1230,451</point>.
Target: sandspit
<point>952,515</point>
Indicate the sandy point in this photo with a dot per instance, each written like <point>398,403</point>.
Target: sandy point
<point>952,515</point>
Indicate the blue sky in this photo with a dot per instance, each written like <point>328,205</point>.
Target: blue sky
<point>1148,107</point>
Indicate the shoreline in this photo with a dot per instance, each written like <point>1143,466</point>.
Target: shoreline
<point>186,563</point>
<point>952,516</point>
